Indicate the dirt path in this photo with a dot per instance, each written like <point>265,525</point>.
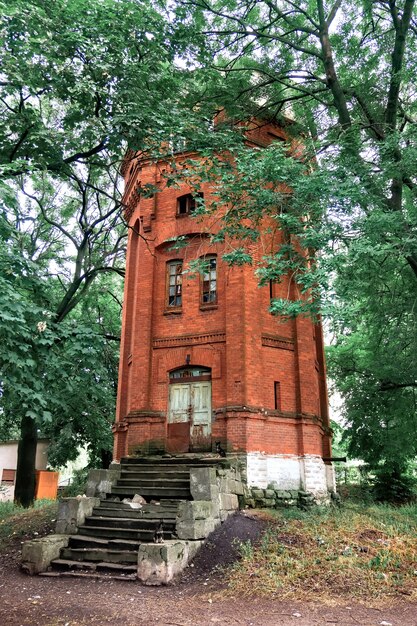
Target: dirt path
<point>194,600</point>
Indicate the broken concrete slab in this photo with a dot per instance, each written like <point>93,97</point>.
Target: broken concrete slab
<point>159,563</point>
<point>72,513</point>
<point>38,554</point>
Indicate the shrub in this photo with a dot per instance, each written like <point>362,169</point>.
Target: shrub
<point>394,484</point>
<point>77,485</point>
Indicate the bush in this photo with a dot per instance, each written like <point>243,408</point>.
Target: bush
<point>394,484</point>
<point>77,485</point>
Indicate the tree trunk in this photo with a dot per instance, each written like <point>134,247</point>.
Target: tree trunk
<point>24,493</point>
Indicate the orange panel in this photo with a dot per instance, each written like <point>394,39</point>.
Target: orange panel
<point>46,485</point>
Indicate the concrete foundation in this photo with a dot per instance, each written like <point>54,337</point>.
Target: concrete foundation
<point>289,472</point>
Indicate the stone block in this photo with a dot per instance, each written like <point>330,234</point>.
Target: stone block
<point>199,529</point>
<point>203,483</point>
<point>284,495</point>
<point>228,502</point>
<point>159,563</point>
<point>238,488</point>
<point>189,511</point>
<point>269,493</point>
<point>269,502</point>
<point>224,515</point>
<point>258,494</point>
<point>227,485</point>
<point>38,554</point>
<point>72,513</point>
<point>100,481</point>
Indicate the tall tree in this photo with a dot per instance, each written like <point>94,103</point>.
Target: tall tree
<point>345,72</point>
<point>57,367</point>
<point>79,80</point>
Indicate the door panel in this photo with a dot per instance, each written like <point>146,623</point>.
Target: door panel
<point>179,403</point>
<point>200,428</point>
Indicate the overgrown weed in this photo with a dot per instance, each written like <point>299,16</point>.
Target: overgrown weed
<point>362,552</point>
<point>18,522</point>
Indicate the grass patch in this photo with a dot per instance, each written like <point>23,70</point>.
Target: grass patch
<point>17,523</point>
<point>360,552</point>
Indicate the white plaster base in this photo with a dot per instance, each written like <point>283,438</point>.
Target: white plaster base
<point>287,471</point>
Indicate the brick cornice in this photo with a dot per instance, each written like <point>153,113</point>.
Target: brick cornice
<point>188,340</point>
<point>275,341</point>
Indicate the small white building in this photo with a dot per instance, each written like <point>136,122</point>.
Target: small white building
<point>8,464</point>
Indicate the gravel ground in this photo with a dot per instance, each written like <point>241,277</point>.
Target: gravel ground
<point>194,599</point>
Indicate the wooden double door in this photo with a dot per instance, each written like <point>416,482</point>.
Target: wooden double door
<point>189,416</point>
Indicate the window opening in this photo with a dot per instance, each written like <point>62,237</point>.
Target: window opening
<point>209,281</point>
<point>8,476</point>
<point>190,372</point>
<point>277,395</point>
<point>188,203</point>
<point>174,283</point>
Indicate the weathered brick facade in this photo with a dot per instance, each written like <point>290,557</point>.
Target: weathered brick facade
<point>267,377</point>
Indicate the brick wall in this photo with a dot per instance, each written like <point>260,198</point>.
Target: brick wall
<point>246,348</point>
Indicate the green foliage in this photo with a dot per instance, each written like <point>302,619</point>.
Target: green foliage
<point>78,484</point>
<point>394,484</point>
<point>75,92</point>
<point>346,74</point>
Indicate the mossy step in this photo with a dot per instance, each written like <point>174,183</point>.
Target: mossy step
<point>91,575</point>
<point>152,492</point>
<point>89,565</point>
<point>112,532</point>
<point>91,542</point>
<point>99,554</point>
<point>156,478</point>
<point>167,503</point>
<point>128,522</point>
<point>162,513</point>
<point>155,469</point>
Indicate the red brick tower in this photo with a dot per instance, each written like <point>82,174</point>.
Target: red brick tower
<point>202,359</point>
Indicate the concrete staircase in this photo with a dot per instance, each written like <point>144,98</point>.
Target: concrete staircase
<point>108,541</point>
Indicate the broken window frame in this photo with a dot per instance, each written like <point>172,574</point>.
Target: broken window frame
<point>174,284</point>
<point>208,282</point>
<point>187,203</point>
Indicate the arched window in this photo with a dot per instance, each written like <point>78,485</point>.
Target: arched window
<point>190,373</point>
<point>187,204</point>
<point>174,284</point>
<point>208,281</point>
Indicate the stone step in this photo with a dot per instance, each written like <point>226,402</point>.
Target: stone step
<point>91,542</point>
<point>154,493</point>
<point>159,461</point>
<point>93,566</point>
<point>162,513</point>
<point>99,554</point>
<point>167,504</point>
<point>128,522</point>
<point>139,474</point>
<point>131,468</point>
<point>92,575</point>
<point>113,532</point>
<point>147,483</point>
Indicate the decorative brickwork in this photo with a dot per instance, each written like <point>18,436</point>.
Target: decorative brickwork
<point>265,394</point>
